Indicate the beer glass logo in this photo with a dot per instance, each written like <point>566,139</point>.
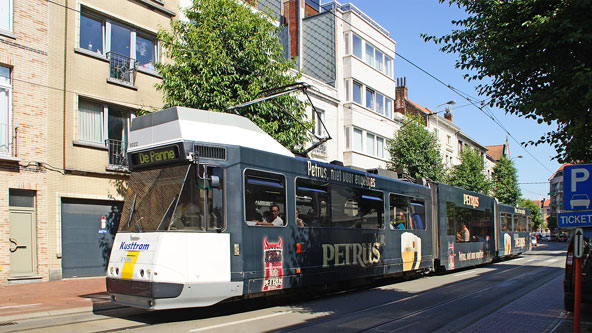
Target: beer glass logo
<point>410,251</point>
<point>507,244</point>
<point>273,261</point>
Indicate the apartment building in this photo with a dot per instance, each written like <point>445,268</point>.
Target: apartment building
<point>75,73</point>
<point>24,196</point>
<point>556,192</point>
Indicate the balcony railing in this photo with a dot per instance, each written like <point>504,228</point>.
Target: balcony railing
<point>122,68</point>
<point>117,154</point>
<point>8,139</point>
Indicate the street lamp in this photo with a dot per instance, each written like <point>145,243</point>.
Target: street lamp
<point>519,156</point>
<point>450,102</point>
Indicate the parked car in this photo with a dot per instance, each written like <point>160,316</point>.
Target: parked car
<point>569,278</point>
<point>562,238</point>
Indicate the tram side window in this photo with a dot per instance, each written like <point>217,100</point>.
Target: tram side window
<point>520,223</point>
<point>506,221</point>
<point>312,202</point>
<point>265,198</point>
<point>406,213</point>
<point>356,208</point>
<point>469,225</point>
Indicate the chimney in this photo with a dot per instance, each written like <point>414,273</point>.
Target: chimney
<point>401,95</point>
<point>448,115</point>
<point>292,16</point>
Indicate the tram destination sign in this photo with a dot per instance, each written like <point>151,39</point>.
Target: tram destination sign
<point>161,155</point>
<point>575,219</point>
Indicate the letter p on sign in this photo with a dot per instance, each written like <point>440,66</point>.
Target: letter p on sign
<point>578,175</point>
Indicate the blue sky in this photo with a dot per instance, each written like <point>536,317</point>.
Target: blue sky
<point>406,20</point>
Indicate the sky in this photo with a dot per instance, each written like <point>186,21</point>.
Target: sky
<point>406,20</point>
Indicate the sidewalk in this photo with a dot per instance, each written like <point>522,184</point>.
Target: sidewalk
<point>42,299</point>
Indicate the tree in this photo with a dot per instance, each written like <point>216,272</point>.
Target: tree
<point>552,223</point>
<point>505,182</point>
<point>470,173</point>
<point>414,148</point>
<point>536,217</point>
<point>228,54</point>
<point>532,58</point>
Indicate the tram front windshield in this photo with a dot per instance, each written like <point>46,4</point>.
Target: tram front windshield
<point>170,199</point>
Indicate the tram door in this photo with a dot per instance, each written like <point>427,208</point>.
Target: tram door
<point>22,239</point>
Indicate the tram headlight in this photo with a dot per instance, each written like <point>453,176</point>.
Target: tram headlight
<point>111,270</point>
<point>142,273</point>
<point>117,271</point>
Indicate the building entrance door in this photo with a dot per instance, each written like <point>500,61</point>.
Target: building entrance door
<point>22,244</point>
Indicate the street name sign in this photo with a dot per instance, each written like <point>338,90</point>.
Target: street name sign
<point>577,187</point>
<point>575,219</point>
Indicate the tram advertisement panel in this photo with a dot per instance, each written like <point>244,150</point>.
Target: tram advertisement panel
<point>466,227</point>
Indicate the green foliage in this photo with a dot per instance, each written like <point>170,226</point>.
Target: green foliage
<point>416,149</point>
<point>505,182</point>
<point>536,217</point>
<point>470,173</point>
<point>532,58</point>
<point>226,55</point>
<point>552,223</point>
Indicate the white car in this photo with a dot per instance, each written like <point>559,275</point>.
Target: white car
<point>580,200</point>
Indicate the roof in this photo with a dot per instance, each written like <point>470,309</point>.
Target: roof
<point>496,151</point>
<point>559,170</point>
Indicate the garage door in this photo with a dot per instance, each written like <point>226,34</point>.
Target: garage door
<point>86,245</point>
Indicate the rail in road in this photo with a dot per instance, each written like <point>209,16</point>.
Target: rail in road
<point>448,302</point>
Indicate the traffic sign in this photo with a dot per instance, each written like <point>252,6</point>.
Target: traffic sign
<point>577,187</point>
<point>575,219</point>
<point>578,243</point>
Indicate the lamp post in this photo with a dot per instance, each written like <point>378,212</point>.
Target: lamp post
<point>450,102</point>
<point>519,156</point>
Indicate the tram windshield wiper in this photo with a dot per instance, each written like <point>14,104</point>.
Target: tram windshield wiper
<point>168,216</point>
<point>132,210</point>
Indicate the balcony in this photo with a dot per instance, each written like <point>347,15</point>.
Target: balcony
<point>321,150</point>
<point>122,69</point>
<point>117,155</point>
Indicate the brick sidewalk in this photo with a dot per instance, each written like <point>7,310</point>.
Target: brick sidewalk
<point>47,298</point>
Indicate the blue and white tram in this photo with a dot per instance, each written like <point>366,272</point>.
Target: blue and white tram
<point>217,209</point>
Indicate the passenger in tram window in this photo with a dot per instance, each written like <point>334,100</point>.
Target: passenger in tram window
<point>466,235</point>
<point>275,218</point>
<point>299,221</point>
<point>400,221</point>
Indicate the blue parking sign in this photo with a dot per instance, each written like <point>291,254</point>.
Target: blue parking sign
<point>577,187</point>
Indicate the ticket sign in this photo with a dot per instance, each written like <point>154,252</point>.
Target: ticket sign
<point>575,219</point>
<point>577,187</point>
<point>155,156</point>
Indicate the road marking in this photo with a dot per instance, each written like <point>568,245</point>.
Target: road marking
<point>240,321</point>
<point>18,306</point>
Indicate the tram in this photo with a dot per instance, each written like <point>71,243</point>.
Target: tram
<point>216,209</point>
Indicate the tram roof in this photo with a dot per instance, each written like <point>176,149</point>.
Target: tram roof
<point>187,124</point>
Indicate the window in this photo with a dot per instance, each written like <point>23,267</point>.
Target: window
<point>357,96</point>
<point>102,35</point>
<point>265,198</point>
<point>6,15</point>
<point>407,213</point>
<point>448,137</point>
<point>469,225</point>
<point>388,108</point>
<point>388,66</point>
<point>370,144</point>
<point>379,61</point>
<point>380,147</point>
<point>370,99</point>
<point>506,221</point>
<point>369,54</point>
<point>5,109</point>
<point>93,116</point>
<point>357,46</point>
<point>319,119</point>
<point>357,144</point>
<point>380,104</point>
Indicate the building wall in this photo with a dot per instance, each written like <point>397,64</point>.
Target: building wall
<point>83,170</point>
<point>25,51</point>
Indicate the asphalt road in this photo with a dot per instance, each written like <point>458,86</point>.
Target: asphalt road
<point>438,302</point>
